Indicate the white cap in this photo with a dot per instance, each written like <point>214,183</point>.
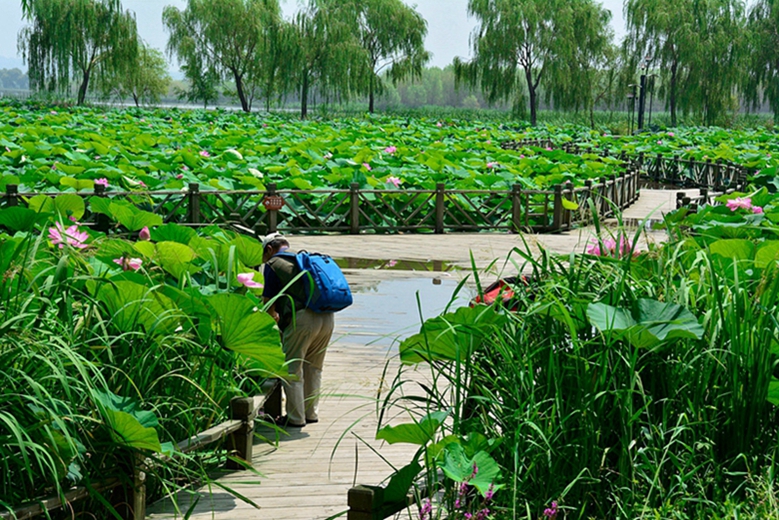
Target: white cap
<point>267,239</point>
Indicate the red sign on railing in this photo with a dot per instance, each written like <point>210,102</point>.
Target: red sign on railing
<point>273,202</point>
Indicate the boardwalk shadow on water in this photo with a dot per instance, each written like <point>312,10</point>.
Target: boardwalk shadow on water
<point>308,472</point>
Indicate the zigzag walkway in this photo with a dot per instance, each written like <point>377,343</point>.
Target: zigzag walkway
<point>307,475</point>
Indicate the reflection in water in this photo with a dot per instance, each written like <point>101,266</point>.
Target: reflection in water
<point>395,309</point>
<point>395,265</point>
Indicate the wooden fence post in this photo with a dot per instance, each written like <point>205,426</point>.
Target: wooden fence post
<point>365,502</point>
<point>704,196</point>
<point>680,195</point>
<point>587,198</point>
<point>567,213</point>
<point>516,207</point>
<point>139,488</point>
<point>193,206</point>
<point>440,196</point>
<point>102,222</point>
<point>614,191</point>
<point>272,406</point>
<point>557,208</point>
<point>12,195</point>
<point>354,208</point>
<point>241,441</point>
<point>623,179</point>
<point>273,215</point>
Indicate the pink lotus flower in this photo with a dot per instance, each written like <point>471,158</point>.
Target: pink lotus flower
<point>522,156</point>
<point>492,165</point>
<point>609,247</point>
<point>395,181</point>
<point>142,184</point>
<point>102,182</point>
<point>548,148</point>
<point>246,279</point>
<point>390,150</point>
<point>60,236</point>
<point>144,234</point>
<point>660,142</point>
<point>757,210</point>
<point>204,153</point>
<point>739,203</point>
<point>439,124</point>
<point>128,264</point>
<point>367,166</point>
<point>392,263</point>
<point>180,176</point>
<point>184,167</point>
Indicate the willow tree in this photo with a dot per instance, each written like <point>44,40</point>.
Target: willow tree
<point>393,36</point>
<point>327,55</point>
<point>145,81</point>
<point>717,63</point>
<point>695,46</point>
<point>584,71</point>
<point>516,44</point>
<point>78,40</point>
<point>761,83</point>
<point>230,37</point>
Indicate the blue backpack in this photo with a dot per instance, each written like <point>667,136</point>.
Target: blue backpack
<point>326,287</point>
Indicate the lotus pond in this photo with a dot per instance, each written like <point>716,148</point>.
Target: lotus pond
<point>629,384</point>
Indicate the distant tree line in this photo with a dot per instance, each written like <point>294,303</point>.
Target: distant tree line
<point>706,57</point>
<point>14,79</point>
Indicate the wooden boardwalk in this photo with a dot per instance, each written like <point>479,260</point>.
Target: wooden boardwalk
<point>308,474</point>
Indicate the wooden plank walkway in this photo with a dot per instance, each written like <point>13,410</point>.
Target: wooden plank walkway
<point>308,474</point>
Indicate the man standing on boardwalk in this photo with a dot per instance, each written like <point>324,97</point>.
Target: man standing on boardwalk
<point>304,334</point>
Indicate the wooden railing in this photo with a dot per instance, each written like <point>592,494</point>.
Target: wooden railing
<point>367,503</point>
<point>659,169</point>
<point>356,210</point>
<point>239,432</point>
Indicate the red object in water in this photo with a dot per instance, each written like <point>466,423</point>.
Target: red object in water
<point>503,291</point>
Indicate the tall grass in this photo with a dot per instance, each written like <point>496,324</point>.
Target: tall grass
<point>59,348</point>
<point>610,430</point>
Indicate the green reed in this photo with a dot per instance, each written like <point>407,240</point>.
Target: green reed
<point>607,429</point>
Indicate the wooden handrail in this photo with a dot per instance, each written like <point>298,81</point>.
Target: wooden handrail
<point>240,432</point>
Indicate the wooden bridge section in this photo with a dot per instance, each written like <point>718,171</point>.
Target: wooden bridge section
<point>308,474</point>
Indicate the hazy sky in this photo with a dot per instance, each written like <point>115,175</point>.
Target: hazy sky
<point>449,25</point>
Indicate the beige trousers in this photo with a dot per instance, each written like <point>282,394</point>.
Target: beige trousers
<point>305,342</point>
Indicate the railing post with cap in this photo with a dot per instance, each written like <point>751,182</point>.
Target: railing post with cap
<point>516,207</point>
<point>440,196</point>
<point>12,195</point>
<point>241,441</point>
<point>587,198</point>
<point>193,206</point>
<point>365,502</point>
<point>273,214</point>
<point>567,213</point>
<point>557,208</point>
<point>354,208</point>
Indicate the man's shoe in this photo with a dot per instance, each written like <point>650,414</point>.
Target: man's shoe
<point>284,422</point>
<point>312,421</point>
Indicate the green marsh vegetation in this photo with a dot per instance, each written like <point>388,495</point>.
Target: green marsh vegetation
<point>113,350</point>
<point>628,384</point>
